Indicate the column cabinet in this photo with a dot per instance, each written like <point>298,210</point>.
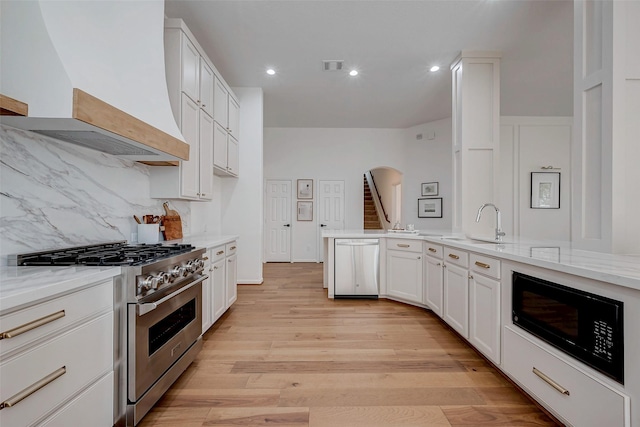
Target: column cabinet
<point>226,114</point>
<point>433,279</point>
<point>404,269</point>
<point>232,273</point>
<point>456,291</point>
<point>190,81</point>
<point>484,305</point>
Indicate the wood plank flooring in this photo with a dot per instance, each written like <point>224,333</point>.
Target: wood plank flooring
<point>286,355</point>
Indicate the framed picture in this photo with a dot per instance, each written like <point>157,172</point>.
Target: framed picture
<point>545,190</point>
<point>305,189</point>
<point>305,211</point>
<point>429,189</point>
<point>430,208</point>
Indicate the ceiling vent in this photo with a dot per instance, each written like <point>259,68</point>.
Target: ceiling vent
<point>332,65</point>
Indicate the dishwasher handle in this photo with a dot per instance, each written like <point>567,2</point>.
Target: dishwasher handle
<point>357,243</point>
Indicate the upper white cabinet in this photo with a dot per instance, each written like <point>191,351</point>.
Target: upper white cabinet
<point>226,114</point>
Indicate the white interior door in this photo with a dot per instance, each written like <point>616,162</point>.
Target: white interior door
<point>330,210</point>
<point>278,221</point>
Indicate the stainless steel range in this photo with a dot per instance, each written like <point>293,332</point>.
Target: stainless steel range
<point>158,315</point>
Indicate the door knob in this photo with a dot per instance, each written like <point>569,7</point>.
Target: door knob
<point>287,225</point>
<point>323,225</point>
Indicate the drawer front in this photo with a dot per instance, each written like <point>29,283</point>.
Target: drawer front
<point>231,248</point>
<point>86,353</point>
<point>404,245</point>
<point>55,314</point>
<point>218,253</point>
<point>485,265</point>
<point>456,256</point>
<point>435,251</point>
<point>589,403</point>
<point>94,407</point>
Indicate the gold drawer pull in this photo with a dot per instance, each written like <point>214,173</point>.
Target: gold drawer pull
<point>31,325</point>
<point>403,245</point>
<point>219,252</point>
<point>482,264</point>
<point>233,248</point>
<point>454,256</point>
<point>432,250</point>
<point>551,382</point>
<point>16,398</point>
<point>205,258</point>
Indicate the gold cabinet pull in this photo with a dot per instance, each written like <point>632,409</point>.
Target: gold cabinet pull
<point>219,252</point>
<point>432,250</point>
<point>31,325</point>
<point>482,264</point>
<point>205,258</point>
<point>402,245</point>
<point>454,256</point>
<point>551,382</point>
<point>21,395</point>
<point>233,248</point>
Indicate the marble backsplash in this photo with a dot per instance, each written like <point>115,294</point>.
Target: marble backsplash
<point>54,194</point>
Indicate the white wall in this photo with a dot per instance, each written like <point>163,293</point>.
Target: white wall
<point>242,198</point>
<point>346,154</point>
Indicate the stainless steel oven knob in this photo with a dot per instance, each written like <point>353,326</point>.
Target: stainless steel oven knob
<point>148,283</point>
<point>199,263</point>
<point>178,271</point>
<point>192,266</point>
<point>161,278</point>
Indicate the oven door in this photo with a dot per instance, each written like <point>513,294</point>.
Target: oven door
<point>159,333</point>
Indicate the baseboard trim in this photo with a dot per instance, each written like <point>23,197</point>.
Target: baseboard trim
<point>259,281</point>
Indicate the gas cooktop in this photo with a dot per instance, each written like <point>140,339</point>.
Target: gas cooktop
<point>104,254</point>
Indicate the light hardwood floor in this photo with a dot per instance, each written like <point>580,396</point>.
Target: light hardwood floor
<point>286,355</point>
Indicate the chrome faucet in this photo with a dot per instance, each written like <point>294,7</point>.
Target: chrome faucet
<point>499,232</point>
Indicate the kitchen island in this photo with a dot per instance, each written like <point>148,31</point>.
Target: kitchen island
<point>469,284</point>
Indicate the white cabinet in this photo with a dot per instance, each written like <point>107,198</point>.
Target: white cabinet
<point>207,297</point>
<point>456,290</point>
<point>404,269</point>
<point>190,82</point>
<point>223,281</point>
<point>484,306</point>
<point>226,114</point>
<point>69,385</point>
<point>433,278</point>
<point>232,273</point>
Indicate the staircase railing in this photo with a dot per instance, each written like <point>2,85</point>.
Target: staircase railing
<point>377,200</point>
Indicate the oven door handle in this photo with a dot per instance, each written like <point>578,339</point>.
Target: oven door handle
<point>150,306</point>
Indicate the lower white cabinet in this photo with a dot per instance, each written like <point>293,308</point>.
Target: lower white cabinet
<point>70,369</point>
<point>484,315</point>
<point>568,392</point>
<point>222,282</point>
<point>433,279</point>
<point>456,298</point>
<point>207,303</point>
<point>404,269</point>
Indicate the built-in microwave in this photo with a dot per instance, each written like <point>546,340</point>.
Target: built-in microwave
<point>586,326</point>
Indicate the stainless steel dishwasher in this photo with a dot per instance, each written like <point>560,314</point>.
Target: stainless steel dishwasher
<point>356,268</point>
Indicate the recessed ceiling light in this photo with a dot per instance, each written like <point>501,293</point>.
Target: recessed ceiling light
<point>434,68</point>
<point>271,71</point>
<point>353,73</point>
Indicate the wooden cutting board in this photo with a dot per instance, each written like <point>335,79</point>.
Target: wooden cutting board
<point>172,224</point>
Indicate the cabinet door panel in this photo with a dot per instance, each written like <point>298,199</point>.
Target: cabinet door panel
<point>206,87</point>
<point>190,69</point>
<point>189,127</point>
<point>232,157</point>
<point>219,288</point>
<point>234,118</point>
<point>484,315</point>
<point>456,297</point>
<point>404,275</point>
<point>220,104</point>
<point>206,156</point>
<point>433,288</point>
<point>207,308</point>
<point>220,137</point>
<point>232,280</point>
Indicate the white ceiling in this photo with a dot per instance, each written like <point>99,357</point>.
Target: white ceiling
<point>393,44</point>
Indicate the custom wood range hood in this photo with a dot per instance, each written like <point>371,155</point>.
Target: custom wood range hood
<point>92,74</point>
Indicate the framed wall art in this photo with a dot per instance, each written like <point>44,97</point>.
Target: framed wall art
<point>305,211</point>
<point>430,208</point>
<point>305,189</point>
<point>429,189</point>
<point>545,190</point>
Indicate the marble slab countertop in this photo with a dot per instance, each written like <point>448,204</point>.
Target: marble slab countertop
<point>22,286</point>
<point>622,270</point>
